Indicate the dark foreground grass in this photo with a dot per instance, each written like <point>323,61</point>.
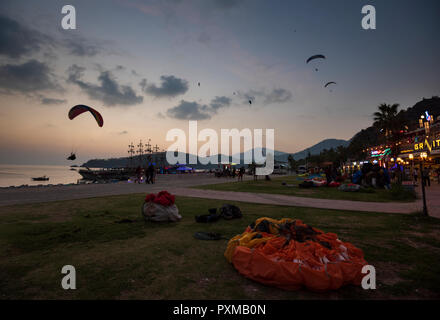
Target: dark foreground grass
<point>275,187</point>
<point>141,260</point>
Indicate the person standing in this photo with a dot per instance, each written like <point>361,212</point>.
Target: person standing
<point>415,176</point>
<point>240,174</point>
<point>138,174</point>
<point>328,175</point>
<point>151,173</point>
<point>425,176</point>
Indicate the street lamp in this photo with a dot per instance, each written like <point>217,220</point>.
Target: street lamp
<point>423,156</point>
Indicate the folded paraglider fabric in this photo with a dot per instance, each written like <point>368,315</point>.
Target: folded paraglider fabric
<point>160,208</point>
<point>289,254</point>
<point>319,182</point>
<point>351,187</point>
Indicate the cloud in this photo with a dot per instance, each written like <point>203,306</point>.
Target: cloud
<point>108,90</point>
<point>52,101</point>
<point>81,47</point>
<point>188,111</point>
<point>274,96</point>
<point>160,115</point>
<point>143,84</point>
<point>278,96</point>
<point>170,87</point>
<point>195,111</point>
<point>218,103</point>
<point>17,40</point>
<point>28,77</point>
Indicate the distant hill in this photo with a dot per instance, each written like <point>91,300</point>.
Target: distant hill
<point>279,156</point>
<point>412,115</point>
<point>316,149</point>
<point>368,136</point>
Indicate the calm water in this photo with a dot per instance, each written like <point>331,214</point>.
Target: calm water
<point>17,175</point>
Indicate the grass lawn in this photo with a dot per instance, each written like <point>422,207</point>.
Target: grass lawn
<point>141,260</point>
<point>275,187</point>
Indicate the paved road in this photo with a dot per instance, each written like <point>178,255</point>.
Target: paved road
<point>179,185</point>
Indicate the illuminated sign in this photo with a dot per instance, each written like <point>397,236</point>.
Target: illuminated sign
<point>428,117</point>
<point>380,153</point>
<point>434,144</point>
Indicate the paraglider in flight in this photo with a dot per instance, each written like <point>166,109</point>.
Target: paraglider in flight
<point>79,109</point>
<point>72,156</point>
<point>318,56</point>
<point>329,83</point>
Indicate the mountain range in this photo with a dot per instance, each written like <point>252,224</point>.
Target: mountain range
<point>278,155</point>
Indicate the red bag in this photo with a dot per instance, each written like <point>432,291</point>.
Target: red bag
<point>163,198</point>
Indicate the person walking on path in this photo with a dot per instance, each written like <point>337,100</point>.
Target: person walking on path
<point>151,173</point>
<point>240,174</point>
<point>425,176</point>
<point>438,175</point>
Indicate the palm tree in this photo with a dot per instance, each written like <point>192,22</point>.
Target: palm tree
<point>389,121</point>
<point>385,118</point>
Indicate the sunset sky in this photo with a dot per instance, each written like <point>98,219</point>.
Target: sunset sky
<point>139,63</point>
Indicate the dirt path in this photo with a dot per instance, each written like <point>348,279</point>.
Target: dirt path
<point>276,199</point>
<point>180,185</point>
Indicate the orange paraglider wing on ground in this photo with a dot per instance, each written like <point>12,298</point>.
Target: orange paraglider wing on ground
<point>289,254</point>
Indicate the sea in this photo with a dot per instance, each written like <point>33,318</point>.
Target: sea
<point>19,175</point>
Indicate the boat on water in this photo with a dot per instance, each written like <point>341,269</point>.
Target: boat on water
<point>121,174</point>
<point>43,178</point>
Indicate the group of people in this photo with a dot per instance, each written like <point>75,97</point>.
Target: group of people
<point>425,176</point>
<point>333,174</point>
<point>149,172</point>
<point>374,175</point>
<point>378,176</point>
<point>231,172</point>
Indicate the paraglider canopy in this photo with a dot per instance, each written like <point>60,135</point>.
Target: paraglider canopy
<point>79,109</point>
<point>329,83</point>
<point>318,56</point>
